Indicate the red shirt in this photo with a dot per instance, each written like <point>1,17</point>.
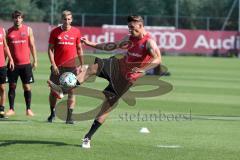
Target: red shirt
<point>2,55</point>
<point>137,56</point>
<point>18,42</point>
<point>65,45</point>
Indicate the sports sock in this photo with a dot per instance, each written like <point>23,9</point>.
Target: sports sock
<point>28,98</point>
<point>52,109</point>
<point>93,129</point>
<point>69,114</point>
<point>1,108</point>
<point>11,96</point>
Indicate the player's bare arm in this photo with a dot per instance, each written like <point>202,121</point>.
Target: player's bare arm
<point>33,49</point>
<point>7,53</point>
<point>155,53</point>
<point>80,54</point>
<point>156,57</point>
<point>51,58</point>
<point>108,46</point>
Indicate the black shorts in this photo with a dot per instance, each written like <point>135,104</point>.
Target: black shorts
<point>24,71</point>
<point>109,69</point>
<point>55,78</point>
<point>3,75</point>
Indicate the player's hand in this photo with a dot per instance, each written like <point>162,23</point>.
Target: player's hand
<point>85,41</point>
<point>55,70</point>
<point>138,70</point>
<point>11,65</point>
<point>34,65</point>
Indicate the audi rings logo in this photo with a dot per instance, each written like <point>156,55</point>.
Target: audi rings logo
<point>169,40</point>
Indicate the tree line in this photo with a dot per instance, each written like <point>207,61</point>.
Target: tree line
<point>189,10</point>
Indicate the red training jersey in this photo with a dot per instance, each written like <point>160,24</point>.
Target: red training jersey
<point>2,55</point>
<point>65,45</point>
<point>137,56</point>
<point>18,42</point>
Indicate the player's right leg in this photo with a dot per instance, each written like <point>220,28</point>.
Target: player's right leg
<point>11,98</point>
<point>107,107</point>
<point>12,80</point>
<point>52,103</point>
<point>86,72</point>
<point>55,92</point>
<point>28,99</point>
<point>2,99</point>
<point>3,75</point>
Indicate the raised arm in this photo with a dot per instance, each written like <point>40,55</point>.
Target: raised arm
<point>108,46</point>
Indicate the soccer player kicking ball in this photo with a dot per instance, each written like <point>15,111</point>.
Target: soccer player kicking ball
<point>142,55</point>
<point>4,52</point>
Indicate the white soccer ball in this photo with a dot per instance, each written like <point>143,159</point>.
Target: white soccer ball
<point>68,79</point>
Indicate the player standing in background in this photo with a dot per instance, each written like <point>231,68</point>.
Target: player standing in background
<point>64,47</point>
<point>4,52</point>
<point>142,55</point>
<point>21,42</point>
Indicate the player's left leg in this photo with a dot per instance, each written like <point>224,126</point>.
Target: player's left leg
<point>3,75</point>
<point>28,99</point>
<point>27,78</point>
<point>107,107</point>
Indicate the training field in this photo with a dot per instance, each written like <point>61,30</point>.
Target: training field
<point>200,119</point>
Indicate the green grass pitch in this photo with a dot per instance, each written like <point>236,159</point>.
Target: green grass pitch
<point>205,90</point>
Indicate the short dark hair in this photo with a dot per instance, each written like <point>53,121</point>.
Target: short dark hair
<point>134,18</point>
<point>17,13</point>
<point>66,13</point>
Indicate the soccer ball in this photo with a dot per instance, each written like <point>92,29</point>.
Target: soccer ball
<point>68,80</point>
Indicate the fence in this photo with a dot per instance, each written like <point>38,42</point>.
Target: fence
<point>184,22</point>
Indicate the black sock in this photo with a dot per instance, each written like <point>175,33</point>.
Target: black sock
<point>93,129</point>
<point>69,114</point>
<point>52,109</point>
<point>11,96</point>
<point>28,98</point>
<point>1,108</point>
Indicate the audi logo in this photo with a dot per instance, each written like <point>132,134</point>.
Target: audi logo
<point>169,40</point>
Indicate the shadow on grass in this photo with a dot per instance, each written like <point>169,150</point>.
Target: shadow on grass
<point>6,143</point>
<point>11,120</point>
